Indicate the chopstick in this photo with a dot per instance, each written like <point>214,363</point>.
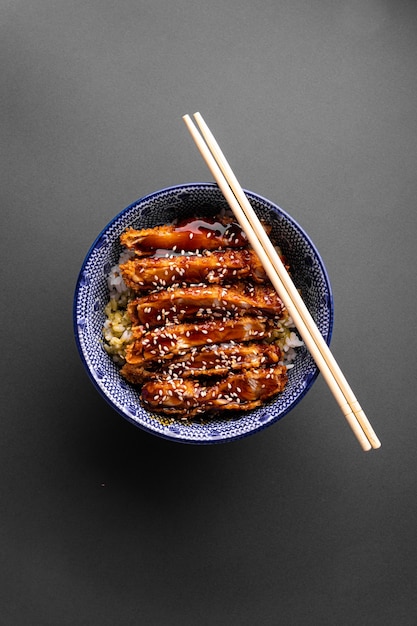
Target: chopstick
<point>282,282</point>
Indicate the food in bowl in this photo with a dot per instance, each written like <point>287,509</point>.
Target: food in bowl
<point>181,202</point>
<point>195,321</point>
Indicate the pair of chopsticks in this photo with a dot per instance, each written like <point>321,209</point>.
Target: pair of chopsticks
<point>262,245</point>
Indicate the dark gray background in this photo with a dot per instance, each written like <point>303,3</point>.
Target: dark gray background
<point>314,103</point>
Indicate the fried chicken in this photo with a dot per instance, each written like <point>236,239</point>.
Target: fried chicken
<point>164,342</point>
<point>219,266</point>
<point>203,319</point>
<point>209,360</point>
<point>189,397</point>
<point>190,235</point>
<point>178,304</point>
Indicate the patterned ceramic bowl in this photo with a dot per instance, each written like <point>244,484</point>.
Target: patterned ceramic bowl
<point>91,297</point>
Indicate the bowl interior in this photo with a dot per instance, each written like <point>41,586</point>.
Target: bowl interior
<point>91,296</point>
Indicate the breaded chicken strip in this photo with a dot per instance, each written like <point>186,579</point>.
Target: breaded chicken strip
<point>141,274</point>
<point>167,341</point>
<point>190,236</point>
<point>211,360</point>
<point>200,301</point>
<point>188,397</point>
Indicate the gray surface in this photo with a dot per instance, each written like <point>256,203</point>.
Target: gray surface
<point>315,105</point>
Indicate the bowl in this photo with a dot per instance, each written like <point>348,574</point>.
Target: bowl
<point>91,296</point>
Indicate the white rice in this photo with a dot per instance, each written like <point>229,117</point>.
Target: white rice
<point>115,280</point>
<point>117,327</point>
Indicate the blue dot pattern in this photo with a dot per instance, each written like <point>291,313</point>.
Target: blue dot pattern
<point>91,296</point>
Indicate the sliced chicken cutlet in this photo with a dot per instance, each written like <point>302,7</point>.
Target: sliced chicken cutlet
<point>177,304</point>
<point>164,342</point>
<point>211,360</point>
<point>190,235</point>
<point>243,391</point>
<point>147,273</point>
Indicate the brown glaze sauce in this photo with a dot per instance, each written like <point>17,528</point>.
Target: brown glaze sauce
<point>204,233</point>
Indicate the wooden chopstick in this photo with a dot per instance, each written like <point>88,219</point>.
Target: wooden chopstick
<point>287,283</point>
<point>279,277</point>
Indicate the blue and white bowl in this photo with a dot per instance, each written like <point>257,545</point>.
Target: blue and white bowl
<point>91,297</point>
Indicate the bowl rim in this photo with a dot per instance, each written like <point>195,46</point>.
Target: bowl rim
<point>172,436</point>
